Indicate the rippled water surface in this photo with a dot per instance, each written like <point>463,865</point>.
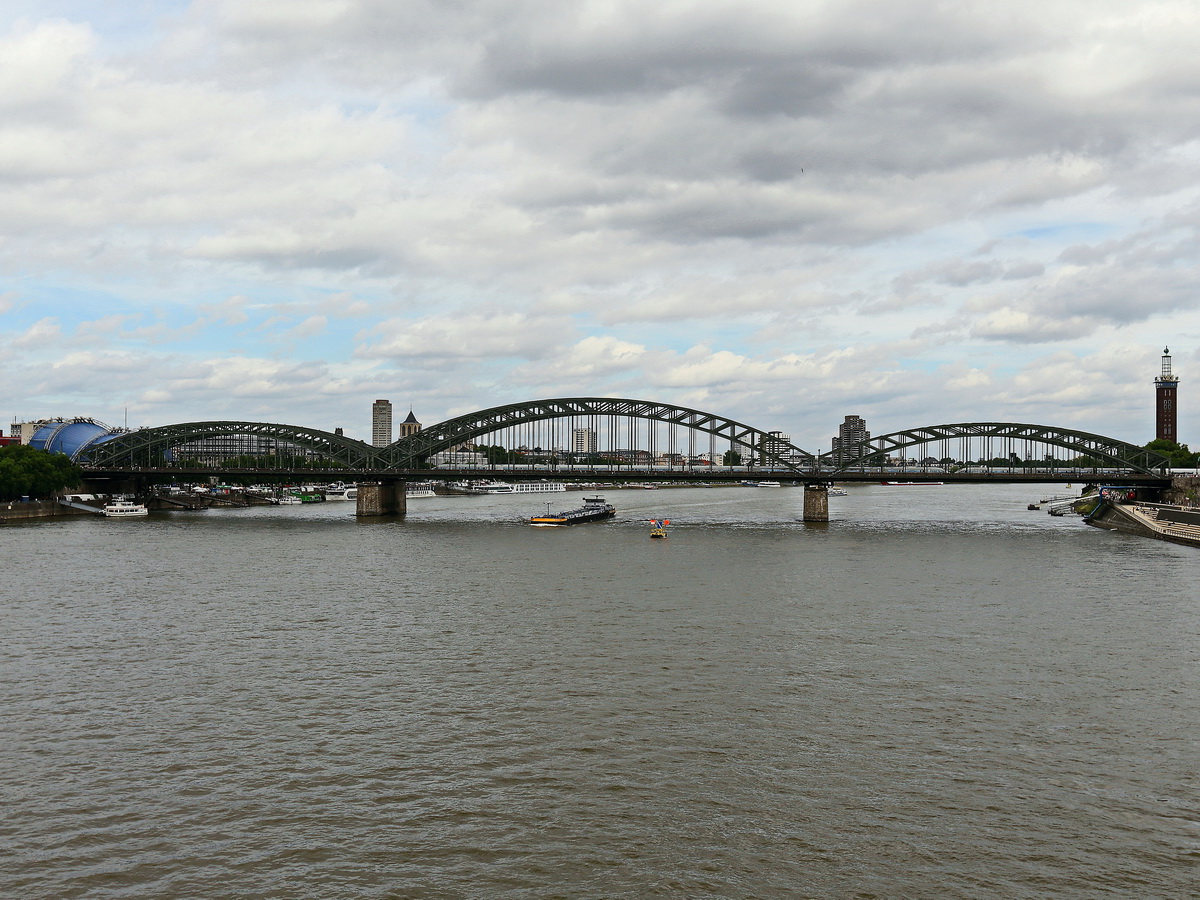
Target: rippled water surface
<point>938,694</point>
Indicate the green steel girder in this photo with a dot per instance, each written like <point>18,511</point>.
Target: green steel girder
<point>1108,450</point>
<point>136,448</point>
<point>409,451</point>
<point>152,445</point>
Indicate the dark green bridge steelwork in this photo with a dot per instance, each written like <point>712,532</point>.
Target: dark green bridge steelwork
<point>1108,452</point>
<point>219,446</point>
<point>407,452</point>
<point>289,446</point>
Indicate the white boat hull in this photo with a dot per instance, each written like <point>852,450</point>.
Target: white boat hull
<point>124,509</point>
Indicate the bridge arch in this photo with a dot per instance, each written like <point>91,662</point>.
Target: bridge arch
<point>769,447</point>
<point>1109,452</point>
<point>166,444</point>
<point>292,446</point>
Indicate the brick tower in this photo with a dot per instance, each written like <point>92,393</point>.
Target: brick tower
<point>1165,407</point>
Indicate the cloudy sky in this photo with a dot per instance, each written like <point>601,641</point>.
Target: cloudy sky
<point>782,212</point>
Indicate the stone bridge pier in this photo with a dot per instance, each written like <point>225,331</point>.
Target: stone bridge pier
<point>381,498</point>
<point>816,503</point>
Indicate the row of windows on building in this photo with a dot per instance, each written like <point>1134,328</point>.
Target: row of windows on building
<point>381,424</point>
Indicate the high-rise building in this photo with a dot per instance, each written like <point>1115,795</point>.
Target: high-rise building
<point>850,432</point>
<point>777,445</point>
<point>381,423</point>
<point>1165,408</point>
<point>583,440</point>
<point>409,426</point>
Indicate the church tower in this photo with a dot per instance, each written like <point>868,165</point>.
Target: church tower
<point>409,426</point>
<point>1165,408</point>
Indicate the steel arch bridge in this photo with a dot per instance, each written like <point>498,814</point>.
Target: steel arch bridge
<point>1108,452</point>
<point>162,445</point>
<point>407,452</point>
<point>291,447</point>
<point>166,445</point>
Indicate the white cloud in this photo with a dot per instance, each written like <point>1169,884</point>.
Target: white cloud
<point>784,211</point>
<point>230,311</point>
<point>43,334</point>
<point>575,368</point>
<point>310,327</point>
<point>1023,327</point>
<point>466,337</point>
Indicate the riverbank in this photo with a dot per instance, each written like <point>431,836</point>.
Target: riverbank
<point>1162,521</point>
<point>17,510</point>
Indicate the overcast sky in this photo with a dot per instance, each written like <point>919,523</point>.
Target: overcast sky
<point>781,212</point>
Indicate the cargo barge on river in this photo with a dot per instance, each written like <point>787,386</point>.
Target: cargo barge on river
<point>594,509</point>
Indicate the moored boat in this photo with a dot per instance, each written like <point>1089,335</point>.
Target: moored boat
<point>124,509</point>
<point>522,487</point>
<point>594,509</point>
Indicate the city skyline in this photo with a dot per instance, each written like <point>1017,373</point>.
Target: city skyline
<point>281,211</point>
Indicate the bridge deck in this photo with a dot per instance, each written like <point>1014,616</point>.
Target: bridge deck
<point>626,476</point>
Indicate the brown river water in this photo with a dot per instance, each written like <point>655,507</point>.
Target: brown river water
<point>938,694</point>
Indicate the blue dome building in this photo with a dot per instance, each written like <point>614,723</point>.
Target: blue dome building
<point>74,437</point>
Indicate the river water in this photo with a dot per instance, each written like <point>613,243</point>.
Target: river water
<point>938,694</point>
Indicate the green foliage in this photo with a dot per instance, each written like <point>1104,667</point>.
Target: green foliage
<point>27,472</point>
<point>731,458</point>
<point>494,453</point>
<point>1179,454</point>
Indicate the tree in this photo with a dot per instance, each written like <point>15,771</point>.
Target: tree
<point>28,472</point>
<point>493,453</point>
<point>732,458</point>
<point>1179,454</point>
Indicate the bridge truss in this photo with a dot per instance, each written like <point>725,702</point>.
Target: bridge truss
<point>220,444</point>
<point>598,433</point>
<point>967,442</point>
<point>611,427</point>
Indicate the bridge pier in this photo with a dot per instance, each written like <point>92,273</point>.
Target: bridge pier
<point>816,503</point>
<point>387,498</point>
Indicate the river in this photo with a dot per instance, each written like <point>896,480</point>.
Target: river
<point>938,694</point>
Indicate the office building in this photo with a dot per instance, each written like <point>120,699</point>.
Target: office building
<point>381,423</point>
<point>583,440</point>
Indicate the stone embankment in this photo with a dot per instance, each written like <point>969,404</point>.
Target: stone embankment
<point>1184,491</point>
<point>16,510</point>
<point>1176,519</point>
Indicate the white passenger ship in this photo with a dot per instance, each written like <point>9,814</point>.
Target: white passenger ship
<point>124,509</point>
<point>521,487</point>
<point>413,490</point>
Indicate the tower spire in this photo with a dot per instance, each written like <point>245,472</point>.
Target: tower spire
<point>1165,406</point>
